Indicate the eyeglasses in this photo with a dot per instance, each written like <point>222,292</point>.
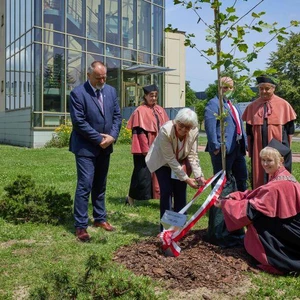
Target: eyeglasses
<point>181,125</point>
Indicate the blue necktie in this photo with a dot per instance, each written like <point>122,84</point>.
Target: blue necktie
<point>100,99</point>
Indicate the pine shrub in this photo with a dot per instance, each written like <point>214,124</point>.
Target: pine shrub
<point>26,202</point>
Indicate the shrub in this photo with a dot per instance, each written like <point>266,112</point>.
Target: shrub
<point>113,284</point>
<point>26,202</point>
<point>125,134</point>
<point>60,137</point>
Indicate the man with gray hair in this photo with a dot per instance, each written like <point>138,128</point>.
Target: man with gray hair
<point>236,169</point>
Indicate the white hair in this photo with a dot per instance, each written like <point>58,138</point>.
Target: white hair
<point>187,117</point>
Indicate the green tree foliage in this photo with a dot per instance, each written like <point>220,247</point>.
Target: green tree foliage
<point>286,60</point>
<point>200,107</point>
<point>242,90</point>
<point>190,95</point>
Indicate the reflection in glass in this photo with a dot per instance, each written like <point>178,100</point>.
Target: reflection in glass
<point>144,26</point>
<point>158,30</point>
<point>129,27</point>
<point>94,19</point>
<point>54,70</point>
<point>90,57</point>
<point>37,60</point>
<point>96,47</point>
<point>76,43</point>
<point>28,12</point>
<point>7,23</point>
<point>54,17</point>
<point>76,73</point>
<point>112,15</point>
<point>54,38</point>
<point>75,22</point>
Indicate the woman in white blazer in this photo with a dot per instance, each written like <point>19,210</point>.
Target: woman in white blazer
<point>173,156</point>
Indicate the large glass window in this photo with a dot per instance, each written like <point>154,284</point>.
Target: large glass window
<point>75,17</point>
<point>158,30</point>
<point>113,15</point>
<point>37,80</point>
<point>54,17</point>
<point>54,74</point>
<point>8,23</point>
<point>28,12</point>
<point>94,19</point>
<point>129,21</point>
<point>144,26</point>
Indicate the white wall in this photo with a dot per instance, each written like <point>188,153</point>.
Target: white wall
<point>15,129</point>
<point>175,59</point>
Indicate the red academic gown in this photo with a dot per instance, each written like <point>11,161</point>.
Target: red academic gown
<point>272,216</point>
<point>144,122</point>
<point>278,115</point>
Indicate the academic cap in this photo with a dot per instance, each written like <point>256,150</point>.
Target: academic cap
<point>282,149</point>
<point>264,79</point>
<point>150,88</point>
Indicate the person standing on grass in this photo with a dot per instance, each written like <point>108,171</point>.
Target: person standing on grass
<point>236,168</point>
<point>96,120</point>
<point>144,122</point>
<point>173,156</point>
<point>268,117</point>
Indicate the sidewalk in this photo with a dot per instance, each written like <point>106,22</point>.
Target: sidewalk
<point>295,157</point>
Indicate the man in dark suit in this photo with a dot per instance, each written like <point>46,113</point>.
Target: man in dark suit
<point>96,120</point>
<point>236,145</point>
<point>235,137</point>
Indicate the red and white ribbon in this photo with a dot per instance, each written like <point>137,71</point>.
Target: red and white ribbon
<point>170,237</point>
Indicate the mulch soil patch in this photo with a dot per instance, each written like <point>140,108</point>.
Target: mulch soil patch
<point>200,264</point>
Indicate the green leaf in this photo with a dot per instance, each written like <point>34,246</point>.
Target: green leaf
<point>280,38</point>
<point>227,63</point>
<point>295,23</point>
<point>258,29</point>
<point>243,47</point>
<point>230,10</point>
<point>259,44</point>
<point>189,5</point>
<point>177,2</point>
<point>251,56</point>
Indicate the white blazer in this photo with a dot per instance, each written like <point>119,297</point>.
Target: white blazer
<point>163,151</point>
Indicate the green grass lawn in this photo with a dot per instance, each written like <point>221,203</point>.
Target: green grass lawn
<point>30,251</point>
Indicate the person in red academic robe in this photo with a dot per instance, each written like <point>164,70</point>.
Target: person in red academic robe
<point>272,216</point>
<point>144,122</point>
<point>268,117</point>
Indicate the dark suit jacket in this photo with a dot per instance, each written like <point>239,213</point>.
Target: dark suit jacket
<point>89,121</point>
<point>212,128</point>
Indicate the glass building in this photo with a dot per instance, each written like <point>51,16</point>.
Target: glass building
<point>50,43</point>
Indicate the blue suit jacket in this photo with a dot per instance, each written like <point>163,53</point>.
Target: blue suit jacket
<point>212,128</point>
<point>89,121</point>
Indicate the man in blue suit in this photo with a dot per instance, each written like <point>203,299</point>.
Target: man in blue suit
<point>235,137</point>
<point>236,145</point>
<point>96,120</point>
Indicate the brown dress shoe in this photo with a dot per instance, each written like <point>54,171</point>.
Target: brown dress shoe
<point>104,225</point>
<point>82,235</point>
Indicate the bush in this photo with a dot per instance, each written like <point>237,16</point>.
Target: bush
<point>60,137</point>
<point>113,284</point>
<point>125,134</point>
<point>26,202</point>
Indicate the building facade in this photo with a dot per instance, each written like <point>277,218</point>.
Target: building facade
<point>47,46</point>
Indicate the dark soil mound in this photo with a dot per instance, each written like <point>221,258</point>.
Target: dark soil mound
<point>200,264</point>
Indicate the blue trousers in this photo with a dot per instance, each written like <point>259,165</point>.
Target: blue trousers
<point>235,163</point>
<point>170,188</point>
<point>91,180</point>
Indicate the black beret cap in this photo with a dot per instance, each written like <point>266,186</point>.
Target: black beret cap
<point>264,79</point>
<point>282,149</point>
<point>150,88</point>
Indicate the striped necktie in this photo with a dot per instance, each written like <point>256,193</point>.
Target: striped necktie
<point>237,123</point>
<point>100,99</point>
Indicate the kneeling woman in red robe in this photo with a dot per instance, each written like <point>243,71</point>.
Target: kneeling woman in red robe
<point>272,216</point>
